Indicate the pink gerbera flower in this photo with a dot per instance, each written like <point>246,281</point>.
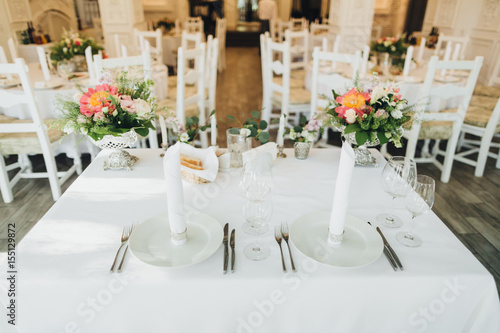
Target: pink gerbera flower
<point>95,99</point>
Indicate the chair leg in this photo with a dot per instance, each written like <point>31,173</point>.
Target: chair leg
<point>25,162</point>
<point>5,183</point>
<point>50,164</point>
<point>448,158</point>
<point>484,149</point>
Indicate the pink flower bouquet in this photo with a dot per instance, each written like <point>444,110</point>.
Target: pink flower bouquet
<point>109,109</point>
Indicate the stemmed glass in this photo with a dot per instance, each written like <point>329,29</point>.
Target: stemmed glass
<point>257,211</point>
<point>418,201</point>
<point>398,177</point>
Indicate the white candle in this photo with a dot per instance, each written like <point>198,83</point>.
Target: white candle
<point>341,195</point>
<point>421,50</point>
<point>407,66</point>
<point>163,128</point>
<point>447,55</point>
<point>456,52</point>
<point>281,131</point>
<point>213,127</point>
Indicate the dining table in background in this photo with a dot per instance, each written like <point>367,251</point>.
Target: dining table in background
<point>64,284</point>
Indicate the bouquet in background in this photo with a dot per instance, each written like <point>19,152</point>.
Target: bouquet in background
<point>392,45</point>
<point>255,125</point>
<point>165,24</point>
<point>376,113</point>
<point>111,108</point>
<point>72,44</point>
<point>186,133</point>
<point>307,131</point>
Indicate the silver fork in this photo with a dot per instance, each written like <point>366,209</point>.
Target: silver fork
<point>132,227</point>
<point>285,234</point>
<point>277,235</point>
<point>124,238</point>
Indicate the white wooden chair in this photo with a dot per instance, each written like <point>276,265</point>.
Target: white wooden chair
<point>291,101</point>
<point>299,48</point>
<point>462,43</point>
<point>319,101</point>
<point>22,137</point>
<point>42,58</point>
<point>220,34</point>
<point>12,48</point>
<point>124,63</point>
<point>481,125</point>
<point>446,124</point>
<point>156,50</point>
<point>193,24</point>
<point>317,33</point>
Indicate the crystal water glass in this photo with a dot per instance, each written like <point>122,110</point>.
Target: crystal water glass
<point>257,211</point>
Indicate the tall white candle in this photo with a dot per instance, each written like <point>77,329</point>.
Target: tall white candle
<point>409,56</point>
<point>163,127</point>
<point>421,50</point>
<point>447,55</point>
<point>213,128</point>
<point>341,195</point>
<point>281,131</point>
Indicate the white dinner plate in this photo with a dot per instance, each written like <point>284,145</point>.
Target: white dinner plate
<point>150,241</point>
<point>447,79</point>
<point>361,244</point>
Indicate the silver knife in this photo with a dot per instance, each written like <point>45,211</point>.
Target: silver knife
<point>231,243</point>
<point>226,250</point>
<point>390,249</point>
<point>389,256</point>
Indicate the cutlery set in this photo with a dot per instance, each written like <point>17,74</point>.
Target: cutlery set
<point>389,252</point>
<point>279,234</point>
<point>231,242</point>
<point>127,231</point>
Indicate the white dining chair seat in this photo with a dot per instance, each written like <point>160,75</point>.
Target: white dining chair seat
<point>170,103</point>
<point>6,119</point>
<point>298,96</point>
<point>479,116</point>
<point>298,74</point>
<point>26,143</point>
<point>487,102</point>
<point>492,91</point>
<point>294,82</point>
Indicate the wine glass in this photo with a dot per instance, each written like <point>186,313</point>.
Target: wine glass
<point>257,172</point>
<point>418,201</point>
<point>257,211</point>
<point>398,177</point>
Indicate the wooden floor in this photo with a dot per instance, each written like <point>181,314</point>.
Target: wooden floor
<point>469,206</point>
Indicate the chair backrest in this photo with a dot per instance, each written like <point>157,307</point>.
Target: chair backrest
<point>495,75</point>
<point>90,65</point>
<point>143,60</point>
<point>193,24</point>
<point>43,62</point>
<point>198,56</point>
<point>211,61</point>
<point>220,34</point>
<point>317,33</point>
<point>451,41</point>
<point>432,89</point>
<point>9,99</point>
<point>190,40</point>
<point>299,48</point>
<point>277,67</point>
<point>12,48</point>
<point>156,36</point>
<point>321,57</point>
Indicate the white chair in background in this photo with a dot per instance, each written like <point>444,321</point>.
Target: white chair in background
<point>220,34</point>
<point>116,39</point>
<point>291,101</point>
<point>211,62</point>
<point>481,125</point>
<point>22,137</point>
<point>12,48</point>
<point>318,101</point>
<point>193,25</point>
<point>42,57</point>
<point>452,40</point>
<point>446,124</point>
<point>421,50</point>
<point>157,49</point>
<point>3,60</point>
<point>299,48</point>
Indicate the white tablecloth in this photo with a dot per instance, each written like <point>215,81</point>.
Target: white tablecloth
<point>64,281</point>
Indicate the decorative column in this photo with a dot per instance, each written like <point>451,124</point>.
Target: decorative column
<point>120,17</point>
<point>352,19</point>
<point>231,14</point>
<point>14,16</point>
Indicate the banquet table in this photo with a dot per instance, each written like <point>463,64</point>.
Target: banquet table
<point>64,284</point>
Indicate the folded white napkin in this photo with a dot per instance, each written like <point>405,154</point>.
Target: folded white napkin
<point>208,158</point>
<point>175,194</point>
<point>269,147</point>
<point>341,196</point>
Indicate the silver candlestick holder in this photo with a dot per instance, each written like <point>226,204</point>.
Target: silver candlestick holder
<point>280,152</point>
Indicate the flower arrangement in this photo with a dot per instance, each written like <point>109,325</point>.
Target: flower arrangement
<point>307,131</point>
<point>111,108</point>
<point>165,23</point>
<point>395,47</point>
<point>256,126</point>
<point>376,113</point>
<point>186,133</point>
<point>72,44</point>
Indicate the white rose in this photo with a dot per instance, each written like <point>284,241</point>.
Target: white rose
<point>350,116</point>
<point>65,49</point>
<point>304,134</point>
<point>293,135</point>
<point>311,137</point>
<point>184,137</point>
<point>396,114</point>
<point>143,108</point>
<point>83,130</point>
<point>245,131</point>
<point>377,93</point>
<point>69,128</point>
<point>81,119</point>
<point>387,43</point>
<point>77,96</point>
